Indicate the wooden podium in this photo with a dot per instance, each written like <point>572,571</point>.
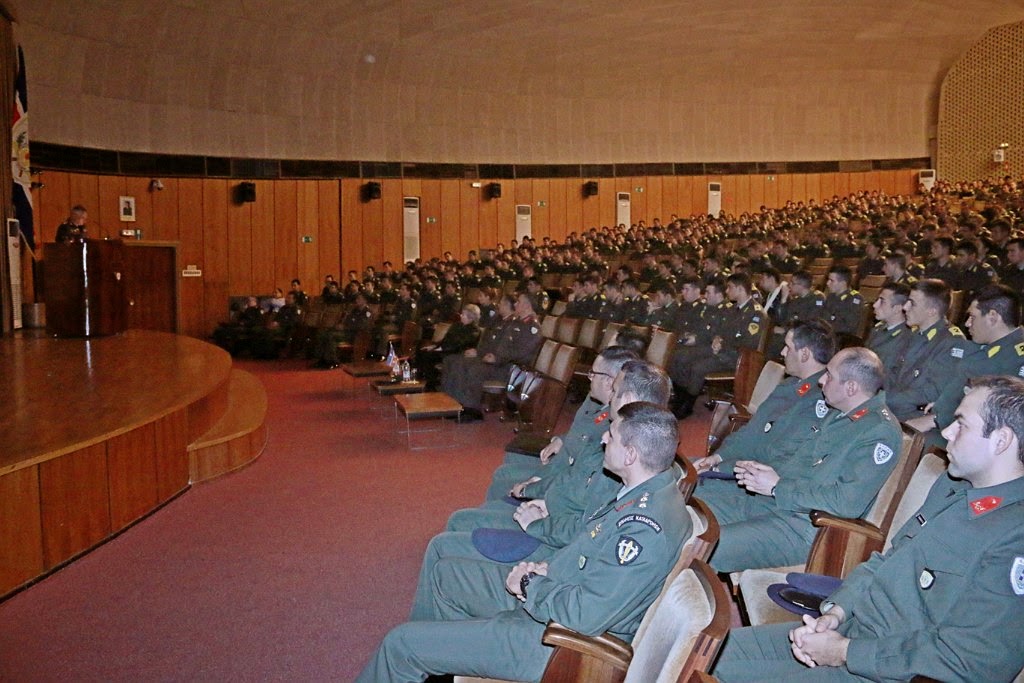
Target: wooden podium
<point>85,288</point>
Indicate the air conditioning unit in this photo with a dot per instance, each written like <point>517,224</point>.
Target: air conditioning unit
<point>714,199</point>
<point>926,177</point>
<point>410,228</point>
<point>524,221</point>
<point>622,209</point>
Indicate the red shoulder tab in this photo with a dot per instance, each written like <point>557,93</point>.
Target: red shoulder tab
<point>601,418</point>
<point>859,414</point>
<point>804,388</point>
<point>983,505</point>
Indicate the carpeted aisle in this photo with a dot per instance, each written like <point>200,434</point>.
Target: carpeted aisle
<point>291,569</point>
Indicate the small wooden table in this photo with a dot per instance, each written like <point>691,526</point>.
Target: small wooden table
<point>422,406</point>
<point>388,388</point>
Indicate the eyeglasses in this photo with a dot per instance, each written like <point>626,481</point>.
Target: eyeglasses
<point>591,374</point>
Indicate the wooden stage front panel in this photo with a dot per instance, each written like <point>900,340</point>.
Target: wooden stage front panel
<point>95,436</point>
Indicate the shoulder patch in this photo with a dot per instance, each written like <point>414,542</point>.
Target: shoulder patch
<point>819,302</point>
<point>753,328</point>
<point>642,519</point>
<point>1017,576</point>
<point>955,331</point>
<point>534,330</point>
<point>821,408</point>
<point>931,333</point>
<point>1019,348</point>
<point>882,454</point>
<point>627,550</point>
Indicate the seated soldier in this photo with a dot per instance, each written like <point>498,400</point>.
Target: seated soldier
<point>928,356</point>
<point>844,307</point>
<point>740,328</point>
<point>550,521</point>
<point>946,601</point>
<point>993,319</point>
<point>839,470</point>
<point>887,337</point>
<point>236,336</point>
<point>460,336</point>
<point>489,620</point>
<point>784,420</point>
<point>517,341</point>
<point>358,319</point>
<point>662,309</point>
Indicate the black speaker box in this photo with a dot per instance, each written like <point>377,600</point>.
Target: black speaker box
<point>371,190</point>
<point>246,192</point>
<point>590,188</point>
<point>494,191</point>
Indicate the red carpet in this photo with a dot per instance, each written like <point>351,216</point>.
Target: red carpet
<point>291,569</point>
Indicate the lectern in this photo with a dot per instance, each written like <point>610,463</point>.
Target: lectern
<point>85,288</point>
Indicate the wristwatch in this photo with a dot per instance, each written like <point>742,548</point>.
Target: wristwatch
<point>826,606</point>
<point>525,581</point>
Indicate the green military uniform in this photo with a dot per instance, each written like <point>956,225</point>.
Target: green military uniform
<point>712,320</point>
<point>585,307</point>
<point>741,328</point>
<point>355,321</point>
<point>840,471</point>
<point>946,601</point>
<point>689,319</point>
<point>810,306</point>
<point>516,342</point>
<point>588,426</point>
<point>612,312</point>
<point>603,581</point>
<point>972,278</point>
<point>780,426</point>
<point>844,311</point>
<point>929,358</point>
<point>1002,357</point>
<point>887,343</point>
<point>948,273</point>
<point>636,309</point>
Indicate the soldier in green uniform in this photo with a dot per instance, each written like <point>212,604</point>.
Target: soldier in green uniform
<point>785,418</point>
<point>588,425</point>
<point>603,581</point>
<point>839,470</point>
<point>664,311</point>
<point>844,307</point>
<point>800,301</point>
<point>930,355</point>
<point>634,302</point>
<point>888,335</point>
<point>946,601</point>
<point>994,321</point>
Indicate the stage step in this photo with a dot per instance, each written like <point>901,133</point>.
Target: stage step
<point>238,437</point>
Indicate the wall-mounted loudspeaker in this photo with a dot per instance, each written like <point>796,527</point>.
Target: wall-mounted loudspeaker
<point>590,188</point>
<point>245,192</point>
<point>494,191</point>
<point>371,190</point>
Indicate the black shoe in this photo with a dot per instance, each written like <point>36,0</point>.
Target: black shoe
<point>471,415</point>
<point>319,365</point>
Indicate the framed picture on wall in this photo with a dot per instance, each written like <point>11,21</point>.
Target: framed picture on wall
<point>127,209</point>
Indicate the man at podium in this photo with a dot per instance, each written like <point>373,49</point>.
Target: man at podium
<point>73,229</point>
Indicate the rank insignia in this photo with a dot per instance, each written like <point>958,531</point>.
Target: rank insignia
<point>931,334</point>
<point>1019,348</point>
<point>753,328</point>
<point>601,418</point>
<point>627,549</point>
<point>595,531</point>
<point>983,505</point>
<point>859,414</point>
<point>917,373</point>
<point>926,579</point>
<point>1017,576</point>
<point>995,349</point>
<point>882,454</point>
<point>583,561</point>
<point>643,499</point>
<point>821,408</point>
<point>804,388</point>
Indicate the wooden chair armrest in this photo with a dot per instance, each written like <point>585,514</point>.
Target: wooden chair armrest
<point>739,419</point>
<point>854,526</point>
<point>605,647</point>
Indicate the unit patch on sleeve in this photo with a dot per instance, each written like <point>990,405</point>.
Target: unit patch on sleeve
<point>1017,576</point>
<point>627,550</point>
<point>643,519</point>
<point>882,454</point>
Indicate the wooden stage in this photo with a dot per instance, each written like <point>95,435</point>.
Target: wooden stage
<point>97,433</point>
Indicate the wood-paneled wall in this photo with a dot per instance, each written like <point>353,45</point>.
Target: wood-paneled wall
<point>254,247</point>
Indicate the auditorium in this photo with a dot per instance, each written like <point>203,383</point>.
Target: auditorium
<point>423,340</point>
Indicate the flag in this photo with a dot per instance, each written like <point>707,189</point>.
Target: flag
<point>19,155</point>
<point>392,356</point>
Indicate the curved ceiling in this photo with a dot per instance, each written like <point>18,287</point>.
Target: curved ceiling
<point>514,81</point>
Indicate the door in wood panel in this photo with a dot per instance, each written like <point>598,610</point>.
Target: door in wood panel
<point>150,271</point>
